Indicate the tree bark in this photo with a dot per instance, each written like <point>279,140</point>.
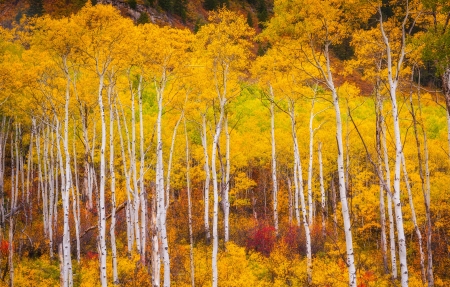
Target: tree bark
<point>322,192</point>
<point>207,180</point>
<point>102,206</point>
<point>299,190</point>
<point>393,83</point>
<point>379,123</point>
<point>274,162</point>
<point>188,187</point>
<point>113,183</point>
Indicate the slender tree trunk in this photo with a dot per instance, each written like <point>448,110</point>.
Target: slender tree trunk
<point>427,275</point>
<point>141,176</point>
<point>322,192</point>
<point>389,201</point>
<point>129,208</point>
<point>3,139</point>
<point>156,260</point>
<point>428,214</point>
<point>169,164</point>
<point>207,180</point>
<point>188,184</point>
<point>65,188</point>
<point>299,187</point>
<point>87,185</point>
<point>215,275</point>
<point>113,184</point>
<point>290,199</point>
<point>136,194</point>
<point>274,163</point>
<point>14,191</point>
<point>76,201</point>
<point>102,211</point>
<point>226,202</point>
<point>341,174</point>
<point>161,204</point>
<point>310,164</point>
<point>379,123</point>
<point>393,83</point>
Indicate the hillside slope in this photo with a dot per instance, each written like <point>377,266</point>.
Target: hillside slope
<point>177,13</point>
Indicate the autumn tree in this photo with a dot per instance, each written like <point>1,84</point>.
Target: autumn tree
<point>223,47</point>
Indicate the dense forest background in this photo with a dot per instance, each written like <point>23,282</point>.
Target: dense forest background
<point>210,143</point>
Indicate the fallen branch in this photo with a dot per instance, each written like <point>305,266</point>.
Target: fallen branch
<point>14,211</point>
<point>118,209</point>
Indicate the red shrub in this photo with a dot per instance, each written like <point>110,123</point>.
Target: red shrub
<point>292,238</point>
<point>262,239</point>
<point>92,255</point>
<point>4,247</point>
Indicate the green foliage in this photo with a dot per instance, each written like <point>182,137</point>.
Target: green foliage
<point>143,18</point>
<point>36,8</point>
<point>132,4</point>
<point>198,24</point>
<point>250,19</point>
<point>166,5</point>
<point>180,8</point>
<point>262,12</point>
<point>210,4</point>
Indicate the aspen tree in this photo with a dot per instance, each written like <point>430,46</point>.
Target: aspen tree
<point>76,200</point>
<point>387,170</point>
<point>113,179</point>
<point>274,162</point>
<point>14,198</point>
<point>207,169</point>
<point>394,68</point>
<point>322,191</point>
<point>226,183</point>
<point>313,28</point>
<point>379,131</point>
<point>161,66</point>
<point>102,52</point>
<point>129,208</point>
<point>188,187</point>
<point>282,75</point>
<point>427,273</point>
<point>223,46</point>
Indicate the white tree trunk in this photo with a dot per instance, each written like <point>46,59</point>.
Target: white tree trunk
<point>169,164</point>
<point>215,276</point>
<point>427,274</point>
<point>226,202</point>
<point>129,208</point>
<point>102,211</point>
<point>393,83</point>
<point>136,195</point>
<point>274,163</point>
<point>113,184</point>
<point>156,260</point>
<point>389,200</point>
<point>430,275</point>
<point>188,187</point>
<point>76,202</point>
<point>322,191</point>
<point>300,193</point>
<point>207,180</point>
<point>341,172</point>
<point>379,132</point>
<point>161,205</point>
<point>141,176</point>
<point>310,164</point>
<point>65,187</point>
<point>14,191</point>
